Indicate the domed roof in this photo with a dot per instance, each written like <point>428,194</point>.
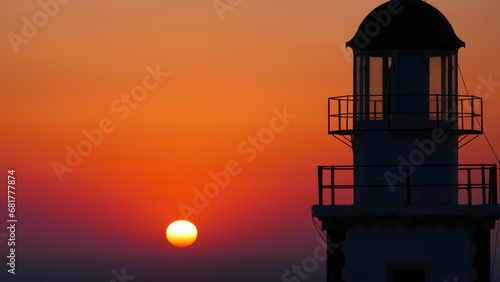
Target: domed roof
<point>405,25</point>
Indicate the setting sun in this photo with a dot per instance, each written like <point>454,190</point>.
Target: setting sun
<point>181,233</point>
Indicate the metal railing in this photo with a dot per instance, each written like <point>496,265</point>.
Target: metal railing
<point>460,113</point>
<point>472,178</point>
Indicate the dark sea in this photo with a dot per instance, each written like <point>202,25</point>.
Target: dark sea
<point>175,268</point>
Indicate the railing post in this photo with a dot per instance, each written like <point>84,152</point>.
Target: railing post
<point>493,185</point>
<point>320,184</point>
<point>339,107</point>
<point>332,183</point>
<point>329,117</point>
<point>389,113</point>
<point>347,114</point>
<point>354,111</point>
<point>483,183</point>
<point>439,110</point>
<point>481,113</point>
<point>469,186</point>
<point>472,114</point>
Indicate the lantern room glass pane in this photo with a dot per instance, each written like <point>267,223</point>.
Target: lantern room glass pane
<point>435,75</point>
<point>453,75</point>
<point>359,86</point>
<point>358,74</point>
<point>376,88</point>
<point>376,75</point>
<point>440,100</point>
<point>452,89</point>
<point>372,74</point>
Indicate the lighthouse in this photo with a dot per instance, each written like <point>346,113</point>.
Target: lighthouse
<point>417,214</point>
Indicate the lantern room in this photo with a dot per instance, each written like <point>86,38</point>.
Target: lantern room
<point>405,74</point>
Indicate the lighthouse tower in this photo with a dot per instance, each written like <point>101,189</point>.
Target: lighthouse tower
<point>417,214</point>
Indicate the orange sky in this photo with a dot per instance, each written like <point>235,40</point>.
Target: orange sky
<point>227,72</point>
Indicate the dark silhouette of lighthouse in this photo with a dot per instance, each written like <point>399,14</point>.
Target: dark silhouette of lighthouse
<point>417,214</point>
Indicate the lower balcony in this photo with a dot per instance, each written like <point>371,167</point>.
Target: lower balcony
<point>474,184</point>
<point>475,190</point>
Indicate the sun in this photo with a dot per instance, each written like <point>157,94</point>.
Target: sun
<point>181,233</point>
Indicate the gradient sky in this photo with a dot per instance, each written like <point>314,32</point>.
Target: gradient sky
<point>227,72</point>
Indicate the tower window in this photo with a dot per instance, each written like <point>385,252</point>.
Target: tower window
<point>409,272</point>
<point>442,88</point>
<point>408,275</point>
